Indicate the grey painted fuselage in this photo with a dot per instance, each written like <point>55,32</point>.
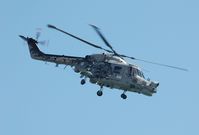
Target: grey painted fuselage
<point>101,69</point>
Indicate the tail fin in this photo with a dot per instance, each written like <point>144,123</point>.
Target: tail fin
<point>32,44</point>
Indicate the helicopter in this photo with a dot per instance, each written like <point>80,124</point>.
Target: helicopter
<point>109,69</point>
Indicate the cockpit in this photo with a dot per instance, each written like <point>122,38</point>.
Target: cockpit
<point>139,73</point>
<point>136,71</point>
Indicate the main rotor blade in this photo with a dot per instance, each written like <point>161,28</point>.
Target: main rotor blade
<point>155,63</point>
<point>165,65</point>
<point>103,38</point>
<point>80,39</point>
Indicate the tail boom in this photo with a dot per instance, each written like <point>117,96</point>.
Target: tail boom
<point>36,54</point>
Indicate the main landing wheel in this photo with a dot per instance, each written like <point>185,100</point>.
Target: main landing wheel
<point>123,96</point>
<point>99,93</point>
<point>83,81</point>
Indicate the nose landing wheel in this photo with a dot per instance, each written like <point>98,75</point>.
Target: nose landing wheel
<point>123,95</point>
<point>100,92</point>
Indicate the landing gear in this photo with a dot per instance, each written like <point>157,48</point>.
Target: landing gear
<point>123,95</point>
<point>100,92</point>
<point>83,81</point>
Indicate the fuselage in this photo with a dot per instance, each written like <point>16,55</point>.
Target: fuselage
<point>113,72</point>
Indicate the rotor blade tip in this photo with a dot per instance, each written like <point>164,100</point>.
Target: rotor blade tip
<point>186,70</point>
<point>95,27</point>
<point>51,26</point>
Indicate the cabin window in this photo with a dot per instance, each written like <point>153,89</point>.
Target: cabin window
<point>117,69</point>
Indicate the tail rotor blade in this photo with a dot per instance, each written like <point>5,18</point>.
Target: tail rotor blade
<point>38,33</point>
<point>44,43</point>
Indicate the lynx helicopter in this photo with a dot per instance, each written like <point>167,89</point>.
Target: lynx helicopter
<point>106,70</point>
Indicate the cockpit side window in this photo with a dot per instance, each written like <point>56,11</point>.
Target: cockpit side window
<point>136,72</point>
<point>139,73</point>
<point>142,75</point>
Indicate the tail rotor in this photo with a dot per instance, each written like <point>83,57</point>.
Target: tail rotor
<point>37,36</point>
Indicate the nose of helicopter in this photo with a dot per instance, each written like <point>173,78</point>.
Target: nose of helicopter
<point>157,84</point>
<point>154,85</point>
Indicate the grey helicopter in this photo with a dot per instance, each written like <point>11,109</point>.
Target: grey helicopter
<point>108,69</point>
